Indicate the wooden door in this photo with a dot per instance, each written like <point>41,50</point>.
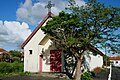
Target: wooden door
<point>55,61</point>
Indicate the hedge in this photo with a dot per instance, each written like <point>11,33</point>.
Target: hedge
<point>14,67</point>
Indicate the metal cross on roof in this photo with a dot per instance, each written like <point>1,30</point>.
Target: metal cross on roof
<point>49,6</point>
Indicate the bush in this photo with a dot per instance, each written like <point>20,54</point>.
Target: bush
<point>11,67</point>
<point>86,76</point>
<point>14,53</point>
<point>18,67</point>
<point>16,59</point>
<point>5,67</point>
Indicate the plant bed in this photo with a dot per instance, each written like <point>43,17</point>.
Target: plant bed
<point>103,75</point>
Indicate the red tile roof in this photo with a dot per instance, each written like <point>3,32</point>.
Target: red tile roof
<point>2,50</point>
<point>114,58</point>
<point>36,29</point>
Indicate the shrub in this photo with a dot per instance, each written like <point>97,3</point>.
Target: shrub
<point>11,67</point>
<point>86,76</point>
<point>18,67</point>
<point>5,67</point>
<point>14,53</point>
<point>16,59</point>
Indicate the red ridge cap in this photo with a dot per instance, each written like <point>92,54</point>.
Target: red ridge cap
<point>95,49</point>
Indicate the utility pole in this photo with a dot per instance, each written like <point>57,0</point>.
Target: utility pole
<point>106,55</point>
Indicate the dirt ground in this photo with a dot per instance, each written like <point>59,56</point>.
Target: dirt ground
<point>46,76</point>
<point>24,77</point>
<point>35,77</point>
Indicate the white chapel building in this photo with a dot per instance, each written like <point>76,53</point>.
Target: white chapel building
<point>40,55</point>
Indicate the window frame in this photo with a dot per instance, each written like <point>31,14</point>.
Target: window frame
<point>30,52</point>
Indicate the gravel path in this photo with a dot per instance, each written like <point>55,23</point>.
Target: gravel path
<point>34,77</point>
<point>46,76</point>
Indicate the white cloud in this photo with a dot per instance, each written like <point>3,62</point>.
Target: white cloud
<point>80,2</point>
<point>34,12</point>
<point>12,34</point>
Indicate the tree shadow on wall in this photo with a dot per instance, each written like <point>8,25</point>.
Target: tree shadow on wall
<point>70,64</point>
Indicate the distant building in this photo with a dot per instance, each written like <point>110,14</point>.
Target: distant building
<point>3,51</point>
<point>3,54</point>
<point>115,61</point>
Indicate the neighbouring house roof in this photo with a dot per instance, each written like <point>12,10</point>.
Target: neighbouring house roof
<point>1,53</point>
<point>37,28</point>
<point>2,50</point>
<point>115,58</point>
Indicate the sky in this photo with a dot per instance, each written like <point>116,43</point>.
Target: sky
<point>18,18</point>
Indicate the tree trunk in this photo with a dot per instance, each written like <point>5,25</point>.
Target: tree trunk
<point>78,69</point>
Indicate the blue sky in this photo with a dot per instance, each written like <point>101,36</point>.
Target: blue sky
<point>8,9</point>
<point>110,2</point>
<point>18,18</point>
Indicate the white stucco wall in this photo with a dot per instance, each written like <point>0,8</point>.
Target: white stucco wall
<point>32,61</point>
<point>96,61</point>
<point>115,63</point>
<point>93,61</point>
<point>46,56</point>
<point>33,65</point>
<point>39,44</point>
